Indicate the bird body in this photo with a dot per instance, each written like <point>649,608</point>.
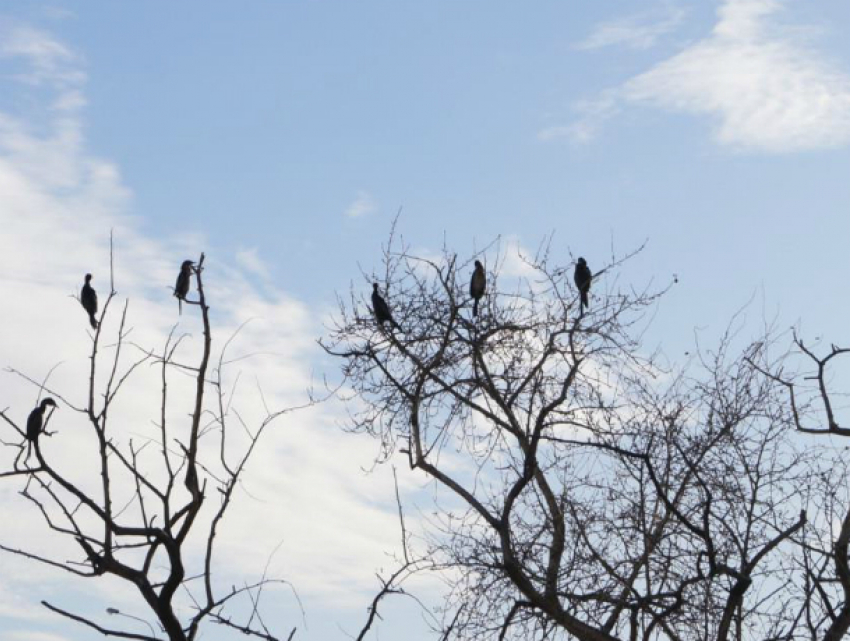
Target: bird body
<point>381,309</point>
<point>582,278</point>
<point>88,299</point>
<point>181,287</point>
<point>35,421</point>
<point>477,285</point>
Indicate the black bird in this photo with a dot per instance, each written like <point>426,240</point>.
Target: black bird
<point>582,279</point>
<point>477,285</point>
<point>35,421</point>
<point>88,299</point>
<point>181,288</point>
<point>381,309</point>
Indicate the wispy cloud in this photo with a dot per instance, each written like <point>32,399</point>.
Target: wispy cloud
<point>592,115</point>
<point>639,31</point>
<point>363,205</point>
<point>47,59</point>
<point>250,261</point>
<point>34,636</point>
<point>765,88</point>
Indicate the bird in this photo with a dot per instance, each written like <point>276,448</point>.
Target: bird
<point>181,288</point>
<point>35,421</point>
<point>381,309</point>
<point>88,299</point>
<point>582,278</point>
<point>477,285</point>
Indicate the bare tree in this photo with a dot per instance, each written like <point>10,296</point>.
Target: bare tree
<point>148,512</point>
<point>393,584</point>
<point>586,489</point>
<point>807,378</point>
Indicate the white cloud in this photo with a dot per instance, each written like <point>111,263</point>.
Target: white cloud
<point>48,60</point>
<point>363,205</point>
<point>640,31</point>
<point>13,604</point>
<point>593,115</point>
<point>765,89</point>
<point>250,261</point>
<point>516,261</point>
<point>59,205</point>
<point>34,636</point>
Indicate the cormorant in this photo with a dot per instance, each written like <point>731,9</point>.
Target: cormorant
<point>582,279</point>
<point>381,309</point>
<point>88,299</point>
<point>36,419</point>
<point>181,288</point>
<point>477,285</point>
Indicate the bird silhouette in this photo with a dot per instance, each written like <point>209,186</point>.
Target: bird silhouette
<point>381,309</point>
<point>88,299</point>
<point>35,421</point>
<point>477,285</point>
<point>181,288</point>
<point>582,278</point>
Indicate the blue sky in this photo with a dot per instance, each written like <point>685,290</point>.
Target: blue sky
<point>282,137</point>
<point>262,126</point>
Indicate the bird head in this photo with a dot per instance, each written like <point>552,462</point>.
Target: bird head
<point>478,264</point>
<point>187,264</point>
<point>374,287</point>
<point>88,277</point>
<point>581,261</point>
<point>47,401</point>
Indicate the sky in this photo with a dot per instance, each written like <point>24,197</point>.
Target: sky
<point>281,138</point>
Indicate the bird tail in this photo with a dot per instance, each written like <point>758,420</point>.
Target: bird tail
<point>475,307</point>
<point>180,305</point>
<point>93,321</point>
<point>584,300</point>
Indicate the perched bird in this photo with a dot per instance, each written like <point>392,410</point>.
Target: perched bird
<point>477,285</point>
<point>381,309</point>
<point>88,299</point>
<point>582,279</point>
<point>35,421</point>
<point>181,288</point>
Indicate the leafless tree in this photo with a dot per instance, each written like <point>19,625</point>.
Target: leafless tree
<point>148,512</point>
<point>587,489</point>
<point>807,375</point>
<point>393,584</point>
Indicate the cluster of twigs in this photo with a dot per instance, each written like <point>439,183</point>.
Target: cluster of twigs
<point>593,491</point>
